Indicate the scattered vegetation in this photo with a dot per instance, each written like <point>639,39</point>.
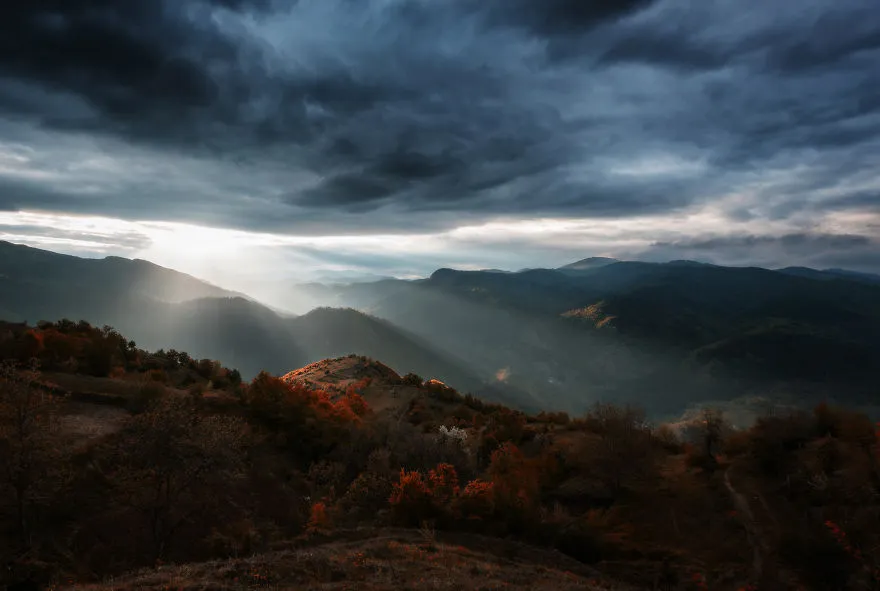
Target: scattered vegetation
<point>205,467</point>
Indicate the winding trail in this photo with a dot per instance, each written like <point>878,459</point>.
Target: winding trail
<point>753,531</point>
<point>763,531</point>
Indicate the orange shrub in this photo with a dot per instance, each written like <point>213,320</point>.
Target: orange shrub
<point>516,490</point>
<point>355,403</point>
<point>411,498</point>
<point>319,519</point>
<point>476,502</point>
<point>274,398</point>
<point>513,473</point>
<point>443,484</point>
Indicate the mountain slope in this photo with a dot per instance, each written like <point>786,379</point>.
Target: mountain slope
<point>249,336</point>
<point>665,334</point>
<point>163,309</point>
<point>831,274</point>
<point>588,263</point>
<point>23,267</point>
<point>333,332</point>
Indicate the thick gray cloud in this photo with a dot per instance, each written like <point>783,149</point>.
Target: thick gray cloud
<point>342,116</point>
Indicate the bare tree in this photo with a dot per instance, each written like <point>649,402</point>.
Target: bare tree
<point>712,427</point>
<point>623,451</point>
<point>174,464</point>
<point>27,421</point>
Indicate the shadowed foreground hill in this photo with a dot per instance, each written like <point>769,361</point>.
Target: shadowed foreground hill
<point>175,474</point>
<point>382,560</point>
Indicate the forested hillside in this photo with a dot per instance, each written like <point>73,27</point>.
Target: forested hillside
<point>346,473</point>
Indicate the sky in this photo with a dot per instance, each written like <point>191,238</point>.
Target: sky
<point>253,141</point>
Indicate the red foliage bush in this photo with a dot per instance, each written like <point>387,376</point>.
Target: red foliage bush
<point>410,499</point>
<point>319,519</point>
<point>476,502</point>
<point>516,486</point>
<point>443,484</point>
<point>274,398</point>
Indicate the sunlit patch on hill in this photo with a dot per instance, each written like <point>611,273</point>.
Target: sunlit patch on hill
<point>341,372</point>
<point>594,313</point>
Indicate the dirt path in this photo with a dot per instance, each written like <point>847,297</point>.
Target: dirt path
<point>763,531</point>
<point>756,537</point>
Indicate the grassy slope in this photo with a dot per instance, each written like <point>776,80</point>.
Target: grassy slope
<point>381,560</point>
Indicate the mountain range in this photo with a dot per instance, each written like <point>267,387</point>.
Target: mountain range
<point>661,335</point>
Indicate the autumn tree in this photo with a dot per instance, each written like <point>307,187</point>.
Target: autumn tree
<point>706,432</point>
<point>416,498</point>
<point>773,439</point>
<point>620,450</point>
<point>516,485</point>
<point>172,465</point>
<point>319,518</point>
<point>27,454</point>
<point>371,489</point>
<point>411,498</point>
<point>476,502</point>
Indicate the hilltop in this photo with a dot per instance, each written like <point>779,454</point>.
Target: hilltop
<point>589,263</point>
<point>341,372</point>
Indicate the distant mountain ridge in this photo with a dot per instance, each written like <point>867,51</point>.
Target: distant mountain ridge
<point>661,335</point>
<point>829,274</point>
<point>589,263</point>
<point>34,266</point>
<point>665,333</point>
<point>163,309</point>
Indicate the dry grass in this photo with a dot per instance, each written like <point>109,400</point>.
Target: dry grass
<point>86,422</point>
<point>385,561</point>
<point>82,383</point>
<point>385,394</point>
<point>675,517</point>
<point>341,372</point>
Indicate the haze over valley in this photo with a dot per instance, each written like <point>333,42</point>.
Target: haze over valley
<point>665,336</point>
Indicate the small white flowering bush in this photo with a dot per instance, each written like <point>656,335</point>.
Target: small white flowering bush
<point>453,433</point>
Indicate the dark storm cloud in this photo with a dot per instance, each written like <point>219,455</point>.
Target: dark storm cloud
<point>333,115</point>
<point>861,200</point>
<point>555,18</point>
<point>125,57</point>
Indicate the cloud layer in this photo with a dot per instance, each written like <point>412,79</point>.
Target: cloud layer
<point>389,117</point>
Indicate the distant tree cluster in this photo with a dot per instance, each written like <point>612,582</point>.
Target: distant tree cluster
<point>78,347</point>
